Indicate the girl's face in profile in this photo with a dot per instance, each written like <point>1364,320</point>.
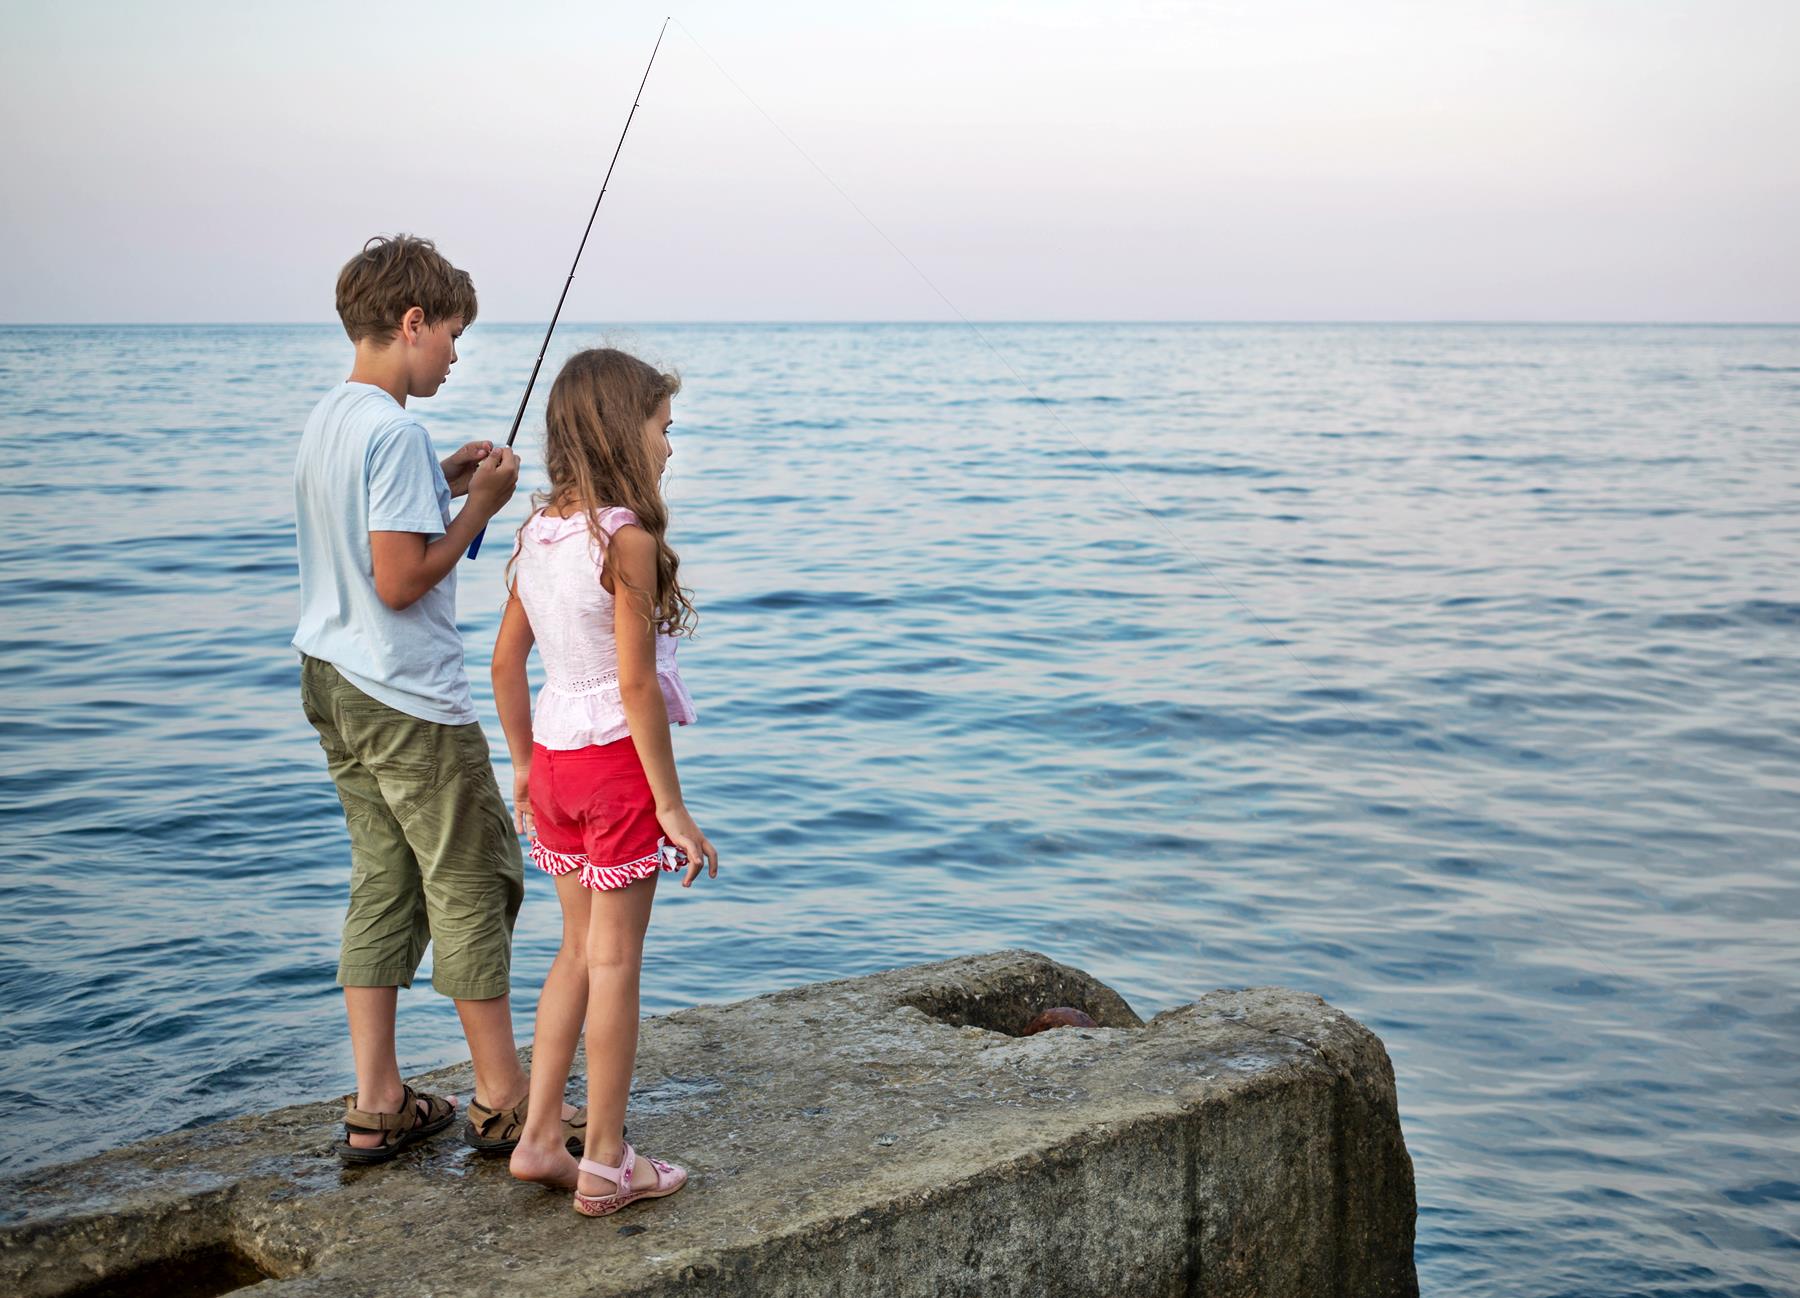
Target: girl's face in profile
<point>656,430</point>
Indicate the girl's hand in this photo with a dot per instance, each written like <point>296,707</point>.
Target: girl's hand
<point>522,820</point>
<point>679,827</point>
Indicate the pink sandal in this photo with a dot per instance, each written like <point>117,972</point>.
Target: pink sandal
<point>669,1179</point>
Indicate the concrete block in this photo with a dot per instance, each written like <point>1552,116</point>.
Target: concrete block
<point>884,1135</point>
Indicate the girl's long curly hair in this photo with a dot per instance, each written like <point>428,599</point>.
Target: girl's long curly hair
<point>596,455</point>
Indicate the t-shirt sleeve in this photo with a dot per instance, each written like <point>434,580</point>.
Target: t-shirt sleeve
<point>403,477</point>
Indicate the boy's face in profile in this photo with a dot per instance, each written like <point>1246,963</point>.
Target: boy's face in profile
<point>431,351</point>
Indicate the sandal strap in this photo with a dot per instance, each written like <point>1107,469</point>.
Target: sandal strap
<point>620,1175</point>
<point>510,1121</point>
<point>436,1106</point>
<point>365,1120</point>
<point>401,1122</point>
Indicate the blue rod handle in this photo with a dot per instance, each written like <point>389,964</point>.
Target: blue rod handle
<point>475,545</point>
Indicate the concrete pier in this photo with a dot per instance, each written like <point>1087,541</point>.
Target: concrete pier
<point>884,1135</point>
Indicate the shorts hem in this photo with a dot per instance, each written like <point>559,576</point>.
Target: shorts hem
<point>605,878</point>
<point>480,990</point>
<point>375,975</point>
<point>554,863</point>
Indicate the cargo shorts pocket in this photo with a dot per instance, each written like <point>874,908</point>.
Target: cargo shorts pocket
<point>405,754</point>
<point>471,748</point>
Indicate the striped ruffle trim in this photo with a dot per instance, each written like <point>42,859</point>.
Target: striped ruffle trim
<point>604,877</point>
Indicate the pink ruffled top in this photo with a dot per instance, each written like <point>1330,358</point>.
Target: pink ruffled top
<point>558,581</point>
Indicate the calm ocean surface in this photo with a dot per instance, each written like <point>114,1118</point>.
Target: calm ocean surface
<point>1452,673</point>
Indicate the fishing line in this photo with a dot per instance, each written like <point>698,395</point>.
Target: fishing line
<point>475,546</point>
<point>1031,389</point>
<point>1049,408</point>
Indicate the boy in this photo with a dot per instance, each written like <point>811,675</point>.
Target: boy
<point>433,854</point>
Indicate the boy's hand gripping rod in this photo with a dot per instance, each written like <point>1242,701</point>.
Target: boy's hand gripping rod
<point>475,547</point>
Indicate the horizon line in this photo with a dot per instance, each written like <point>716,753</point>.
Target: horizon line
<point>617,324</point>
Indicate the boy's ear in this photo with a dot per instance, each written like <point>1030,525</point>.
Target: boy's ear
<point>412,324</point>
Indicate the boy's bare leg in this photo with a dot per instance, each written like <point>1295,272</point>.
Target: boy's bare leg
<point>378,1085</point>
<point>618,918</point>
<point>541,1154</point>
<point>486,1024</point>
<point>487,1027</point>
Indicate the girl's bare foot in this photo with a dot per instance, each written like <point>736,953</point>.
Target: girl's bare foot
<point>544,1164</point>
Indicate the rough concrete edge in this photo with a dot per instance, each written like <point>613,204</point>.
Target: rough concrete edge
<point>1365,1102</point>
<point>831,1242</point>
<point>184,1214</point>
<point>1311,1059</point>
<point>909,984</point>
<point>107,1247</point>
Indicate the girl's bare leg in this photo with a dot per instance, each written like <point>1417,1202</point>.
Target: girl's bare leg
<point>541,1154</point>
<point>617,920</point>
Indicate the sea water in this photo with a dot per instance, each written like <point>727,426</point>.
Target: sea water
<point>1450,672</point>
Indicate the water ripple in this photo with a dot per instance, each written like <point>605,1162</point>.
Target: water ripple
<point>1455,679</point>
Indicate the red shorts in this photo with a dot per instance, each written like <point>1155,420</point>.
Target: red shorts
<point>594,812</point>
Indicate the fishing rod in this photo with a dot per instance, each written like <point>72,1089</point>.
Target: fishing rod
<point>519,418</point>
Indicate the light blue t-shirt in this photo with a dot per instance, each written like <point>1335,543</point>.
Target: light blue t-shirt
<point>366,465</point>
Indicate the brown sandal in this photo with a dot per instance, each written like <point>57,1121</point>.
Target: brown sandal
<point>398,1130</point>
<point>497,1131</point>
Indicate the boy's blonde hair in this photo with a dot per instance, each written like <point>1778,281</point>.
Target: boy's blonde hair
<point>393,274</point>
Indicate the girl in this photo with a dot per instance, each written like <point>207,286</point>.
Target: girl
<point>594,786</point>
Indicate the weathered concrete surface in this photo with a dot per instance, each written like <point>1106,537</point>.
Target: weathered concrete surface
<point>874,1136</point>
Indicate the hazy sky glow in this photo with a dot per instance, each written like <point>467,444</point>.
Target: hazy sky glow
<point>1286,160</point>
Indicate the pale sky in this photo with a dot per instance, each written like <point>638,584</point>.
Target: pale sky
<point>1275,160</point>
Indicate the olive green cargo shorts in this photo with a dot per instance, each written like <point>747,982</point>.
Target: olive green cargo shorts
<point>432,849</point>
